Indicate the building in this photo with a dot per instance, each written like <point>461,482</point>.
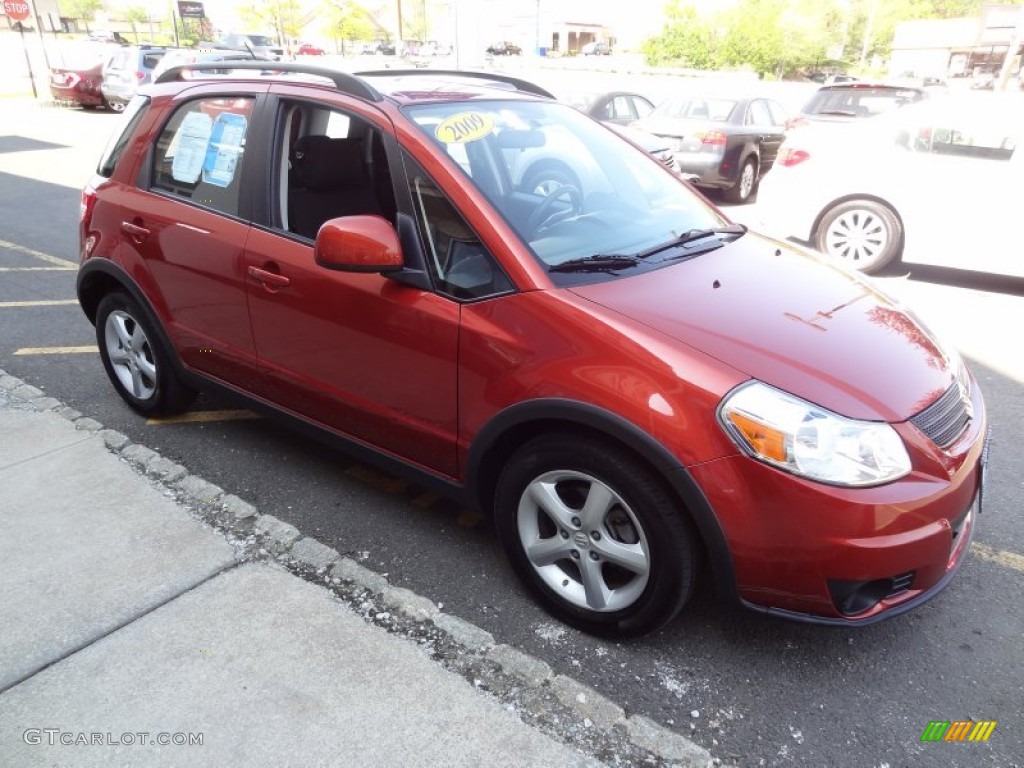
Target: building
<point>949,48</point>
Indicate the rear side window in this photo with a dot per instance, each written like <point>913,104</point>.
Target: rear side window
<point>201,151</point>
<point>131,118</point>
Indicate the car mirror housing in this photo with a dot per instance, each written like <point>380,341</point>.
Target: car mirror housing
<point>358,244</point>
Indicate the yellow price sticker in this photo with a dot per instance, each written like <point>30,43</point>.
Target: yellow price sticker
<point>464,127</point>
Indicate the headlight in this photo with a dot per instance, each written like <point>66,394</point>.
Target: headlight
<point>790,433</point>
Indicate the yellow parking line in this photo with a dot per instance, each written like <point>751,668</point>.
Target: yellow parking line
<point>37,269</point>
<point>57,350</point>
<point>999,556</point>
<point>53,303</point>
<point>376,479</point>
<point>38,254</point>
<point>202,417</point>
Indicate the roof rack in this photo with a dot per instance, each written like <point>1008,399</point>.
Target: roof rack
<point>343,81</point>
<point>520,85</point>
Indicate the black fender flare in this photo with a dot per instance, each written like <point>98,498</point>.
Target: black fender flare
<point>626,433</point>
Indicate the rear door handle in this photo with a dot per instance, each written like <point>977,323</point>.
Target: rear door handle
<point>138,233</point>
<point>269,278</point>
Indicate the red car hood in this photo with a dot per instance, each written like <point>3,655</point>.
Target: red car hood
<point>790,319</point>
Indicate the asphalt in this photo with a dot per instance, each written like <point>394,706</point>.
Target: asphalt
<point>150,619</point>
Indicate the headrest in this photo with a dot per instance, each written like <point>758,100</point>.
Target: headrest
<point>323,164</point>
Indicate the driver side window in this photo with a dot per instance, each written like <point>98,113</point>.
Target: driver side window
<point>460,265</point>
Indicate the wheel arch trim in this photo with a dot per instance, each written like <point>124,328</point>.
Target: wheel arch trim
<point>97,270</point>
<point>574,412</point>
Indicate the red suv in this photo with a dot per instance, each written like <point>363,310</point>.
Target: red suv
<point>630,384</point>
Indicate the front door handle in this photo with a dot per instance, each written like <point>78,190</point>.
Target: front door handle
<point>269,278</point>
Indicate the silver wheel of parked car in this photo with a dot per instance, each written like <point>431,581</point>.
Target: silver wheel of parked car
<point>583,540</point>
<point>863,234</point>
<point>116,106</point>
<point>136,360</point>
<point>130,354</point>
<point>596,533</point>
<point>745,184</point>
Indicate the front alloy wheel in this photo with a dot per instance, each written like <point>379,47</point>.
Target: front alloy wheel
<point>583,541</point>
<point>596,534</point>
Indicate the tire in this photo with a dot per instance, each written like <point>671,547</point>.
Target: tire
<point>862,234</point>
<point>544,178</point>
<point>625,569</point>
<point>116,106</point>
<point>135,359</point>
<point>745,185</point>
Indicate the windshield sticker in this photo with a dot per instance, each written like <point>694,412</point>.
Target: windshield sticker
<point>192,139</point>
<point>226,142</point>
<point>464,127</point>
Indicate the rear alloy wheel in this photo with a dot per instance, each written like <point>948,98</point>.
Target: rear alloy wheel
<point>116,106</point>
<point>862,234</point>
<point>596,535</point>
<point>135,360</point>
<point>745,185</point>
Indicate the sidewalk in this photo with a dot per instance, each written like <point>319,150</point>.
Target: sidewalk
<point>141,604</point>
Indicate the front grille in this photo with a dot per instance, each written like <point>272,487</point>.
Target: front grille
<point>945,420</point>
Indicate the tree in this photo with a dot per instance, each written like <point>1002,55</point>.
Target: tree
<point>136,15</point>
<point>84,10</point>
<point>283,16</point>
<point>350,21</point>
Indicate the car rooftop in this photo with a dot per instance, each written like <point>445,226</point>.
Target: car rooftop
<point>400,86</point>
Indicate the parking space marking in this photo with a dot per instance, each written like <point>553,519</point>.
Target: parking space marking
<point>37,269</point>
<point>202,417</point>
<point>375,479</point>
<point>999,556</point>
<point>38,254</point>
<point>41,303</point>
<point>88,350</point>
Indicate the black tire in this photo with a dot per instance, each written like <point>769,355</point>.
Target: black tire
<point>135,359</point>
<point>542,178</point>
<point>638,521</point>
<point>863,234</point>
<point>746,183</point>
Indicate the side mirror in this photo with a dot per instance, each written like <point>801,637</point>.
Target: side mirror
<point>358,244</point>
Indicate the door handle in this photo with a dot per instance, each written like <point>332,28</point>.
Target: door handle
<point>138,233</point>
<point>269,278</point>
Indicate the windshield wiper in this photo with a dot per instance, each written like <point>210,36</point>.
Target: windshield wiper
<point>692,235</point>
<point>600,262</point>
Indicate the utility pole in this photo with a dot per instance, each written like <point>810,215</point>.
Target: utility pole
<point>1011,52</point>
<point>867,33</point>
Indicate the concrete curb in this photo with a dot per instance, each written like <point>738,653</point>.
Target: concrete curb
<point>585,719</point>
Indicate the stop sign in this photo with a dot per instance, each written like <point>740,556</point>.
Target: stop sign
<point>17,10</point>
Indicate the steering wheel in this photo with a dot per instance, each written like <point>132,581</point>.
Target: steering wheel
<point>542,215</point>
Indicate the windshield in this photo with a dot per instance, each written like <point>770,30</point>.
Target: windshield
<point>569,187</point>
<point>261,40</point>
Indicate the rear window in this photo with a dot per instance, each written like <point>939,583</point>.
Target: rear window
<point>200,153</point>
<point>130,120</point>
<point>717,110</point>
<point>150,60</point>
<point>860,102</point>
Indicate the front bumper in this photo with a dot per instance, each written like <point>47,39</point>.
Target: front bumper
<point>850,556</point>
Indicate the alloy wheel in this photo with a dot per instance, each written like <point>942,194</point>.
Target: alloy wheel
<point>583,541</point>
<point>130,354</point>
<point>858,236</point>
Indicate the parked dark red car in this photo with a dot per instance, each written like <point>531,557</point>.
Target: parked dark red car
<point>79,77</point>
<point>627,383</point>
